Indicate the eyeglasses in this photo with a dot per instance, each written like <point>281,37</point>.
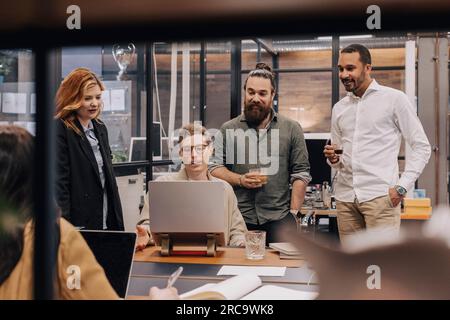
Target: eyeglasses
<point>198,148</point>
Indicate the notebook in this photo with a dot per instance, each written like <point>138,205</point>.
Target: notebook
<point>291,256</point>
<point>246,287</point>
<point>285,248</point>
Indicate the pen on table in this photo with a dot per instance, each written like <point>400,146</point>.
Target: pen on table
<point>173,277</point>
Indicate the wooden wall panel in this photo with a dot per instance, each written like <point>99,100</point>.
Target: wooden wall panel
<point>388,57</point>
<point>306,97</point>
<point>305,59</point>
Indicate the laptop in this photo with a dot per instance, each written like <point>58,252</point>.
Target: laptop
<point>114,251</point>
<point>188,210</point>
<point>138,145</point>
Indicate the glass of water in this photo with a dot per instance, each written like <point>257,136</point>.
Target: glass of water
<point>255,244</point>
<point>261,174</point>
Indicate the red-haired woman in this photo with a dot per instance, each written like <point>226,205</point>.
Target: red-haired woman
<point>86,188</point>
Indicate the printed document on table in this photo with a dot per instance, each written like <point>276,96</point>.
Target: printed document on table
<point>260,271</point>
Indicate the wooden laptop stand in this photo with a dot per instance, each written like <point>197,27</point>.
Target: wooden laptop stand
<point>167,244</point>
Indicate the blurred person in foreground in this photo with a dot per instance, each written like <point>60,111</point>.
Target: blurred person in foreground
<point>380,263</point>
<point>17,233</point>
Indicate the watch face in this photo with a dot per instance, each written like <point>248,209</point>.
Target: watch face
<point>401,190</point>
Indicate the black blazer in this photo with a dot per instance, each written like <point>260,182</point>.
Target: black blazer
<point>79,191</point>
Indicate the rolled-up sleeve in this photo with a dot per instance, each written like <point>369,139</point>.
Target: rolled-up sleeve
<point>414,135</point>
<point>335,138</point>
<point>218,158</point>
<point>299,167</point>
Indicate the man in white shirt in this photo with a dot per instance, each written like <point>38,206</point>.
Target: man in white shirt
<point>368,125</point>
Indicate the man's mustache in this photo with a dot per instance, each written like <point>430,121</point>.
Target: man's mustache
<point>346,80</point>
<point>251,105</point>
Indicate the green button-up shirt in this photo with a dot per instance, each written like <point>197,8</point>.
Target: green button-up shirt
<point>280,148</point>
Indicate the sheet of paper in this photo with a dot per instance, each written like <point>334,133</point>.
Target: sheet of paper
<point>14,102</point>
<point>106,97</point>
<point>232,288</point>
<point>270,292</point>
<point>260,271</point>
<point>31,127</point>
<point>285,247</point>
<point>203,288</point>
<point>33,103</point>
<point>118,100</point>
<point>9,102</point>
<point>21,103</point>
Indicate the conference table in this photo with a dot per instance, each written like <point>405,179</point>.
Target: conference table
<point>151,269</point>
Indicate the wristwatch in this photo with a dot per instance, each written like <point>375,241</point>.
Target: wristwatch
<point>400,190</point>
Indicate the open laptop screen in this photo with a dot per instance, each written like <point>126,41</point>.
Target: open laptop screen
<point>189,210</point>
<point>114,251</point>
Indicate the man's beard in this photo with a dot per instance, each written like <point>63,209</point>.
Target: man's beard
<point>255,113</point>
<point>356,82</point>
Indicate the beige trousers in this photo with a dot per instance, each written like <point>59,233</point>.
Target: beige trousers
<point>376,213</point>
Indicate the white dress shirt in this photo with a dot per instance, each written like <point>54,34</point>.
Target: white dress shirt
<point>93,141</point>
<point>370,129</point>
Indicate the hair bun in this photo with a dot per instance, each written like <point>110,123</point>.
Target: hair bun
<point>263,66</point>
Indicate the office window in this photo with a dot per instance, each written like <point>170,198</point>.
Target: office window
<point>218,56</point>
<point>218,100</point>
<point>163,89</point>
<point>390,78</point>
<point>218,85</point>
<point>243,78</point>
<point>304,81</point>
<point>162,170</point>
<point>388,57</point>
<point>306,98</point>
<point>17,89</point>
<point>304,54</point>
<point>250,55</point>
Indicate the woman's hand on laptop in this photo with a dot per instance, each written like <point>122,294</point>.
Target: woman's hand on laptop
<point>163,294</point>
<point>143,237</point>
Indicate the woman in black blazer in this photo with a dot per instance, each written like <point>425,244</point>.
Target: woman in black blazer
<point>86,188</point>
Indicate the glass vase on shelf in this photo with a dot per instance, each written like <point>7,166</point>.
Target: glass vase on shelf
<point>318,200</point>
